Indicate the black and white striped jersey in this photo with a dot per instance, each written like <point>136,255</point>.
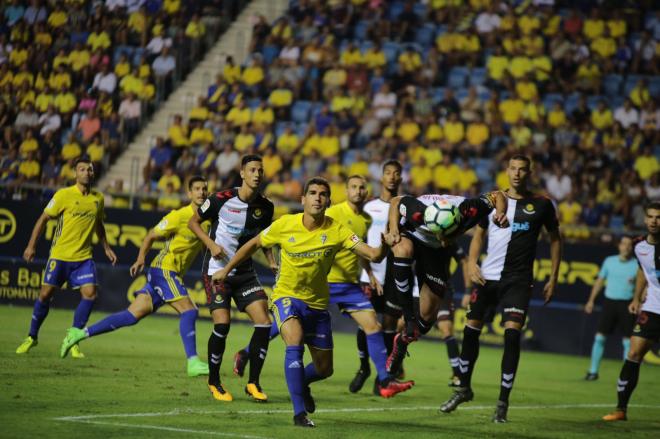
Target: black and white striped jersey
<point>512,250</point>
<point>379,211</point>
<point>412,214</point>
<point>234,222</point>
<point>648,256</point>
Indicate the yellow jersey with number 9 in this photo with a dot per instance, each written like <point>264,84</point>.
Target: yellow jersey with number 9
<point>346,268</point>
<point>182,245</point>
<point>76,215</point>
<point>306,257</point>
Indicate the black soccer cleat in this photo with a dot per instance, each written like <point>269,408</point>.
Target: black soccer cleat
<point>301,420</point>
<point>499,417</point>
<point>399,352</point>
<point>359,380</point>
<point>308,401</point>
<point>461,395</point>
<point>591,376</point>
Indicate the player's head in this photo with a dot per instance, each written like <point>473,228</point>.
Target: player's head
<point>652,218</point>
<point>252,170</point>
<point>84,171</point>
<point>356,189</point>
<point>197,189</point>
<point>625,247</point>
<point>316,196</point>
<point>518,171</point>
<point>391,178</point>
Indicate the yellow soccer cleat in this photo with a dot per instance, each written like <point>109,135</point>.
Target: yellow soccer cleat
<point>220,393</point>
<point>254,390</point>
<point>75,352</point>
<point>616,415</point>
<point>27,344</point>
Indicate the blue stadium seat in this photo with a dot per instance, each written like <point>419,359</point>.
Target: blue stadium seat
<point>301,129</point>
<point>616,222</point>
<point>424,35</point>
<point>631,82</point>
<point>457,77</point>
<point>656,150</point>
<point>301,111</point>
<point>280,127</point>
<point>461,93</point>
<point>654,87</point>
<point>612,84</point>
<point>254,103</point>
<point>396,8</point>
<point>592,101</point>
<point>137,55</point>
<point>478,76</point>
<point>438,94</point>
<point>420,10</point>
<point>366,45</point>
<point>360,31</point>
<point>391,50</point>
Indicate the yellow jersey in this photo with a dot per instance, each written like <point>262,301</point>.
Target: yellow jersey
<point>182,245</point>
<point>76,215</point>
<point>306,257</point>
<point>346,268</point>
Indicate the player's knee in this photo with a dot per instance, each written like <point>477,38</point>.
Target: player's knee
<point>221,329</point>
<point>424,325</point>
<point>89,294</point>
<point>371,327</point>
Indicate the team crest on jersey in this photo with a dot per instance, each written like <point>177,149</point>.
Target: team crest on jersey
<point>257,213</point>
<point>324,238</point>
<point>529,209</point>
<point>292,239</point>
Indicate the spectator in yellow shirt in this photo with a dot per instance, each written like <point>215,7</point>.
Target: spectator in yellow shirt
<point>409,61</point>
<point>601,117</point>
<point>281,99</point>
<point>65,102</point>
<point>526,89</point>
<point>169,178</point>
<point>57,18</point>
<point>230,71</point>
<point>454,130</point>
<point>640,95</point>
<point>594,26</point>
<point>646,164</point>
<point>245,139</point>
<point>556,117</point>
<point>421,177</point>
<point>375,57</point>
<point>288,142</point>
<point>588,77</point>
<point>29,169</point>
<point>195,28</point>
<point>178,133</point>
<point>272,163</point>
<point>71,149</point>
<point>466,177</point>
<point>569,211</point>
<point>512,109</point>
<point>446,175</point>
<point>408,130</point>
<point>497,65</point>
<point>351,56</point>
<point>99,39</point>
<point>168,199</point>
<point>239,115</point>
<point>263,115</point>
<point>478,133</point>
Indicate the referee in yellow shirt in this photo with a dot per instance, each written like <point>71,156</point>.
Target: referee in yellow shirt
<point>79,213</point>
<point>164,284</point>
<point>308,244</point>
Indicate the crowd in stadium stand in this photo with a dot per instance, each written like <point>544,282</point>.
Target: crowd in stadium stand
<point>78,78</point>
<point>449,87</point>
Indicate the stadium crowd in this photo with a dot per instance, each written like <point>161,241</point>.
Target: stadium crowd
<point>449,87</point>
<point>79,77</point>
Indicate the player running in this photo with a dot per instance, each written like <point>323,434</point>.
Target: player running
<point>79,213</point>
<point>647,329</point>
<point>344,284</point>
<point>237,215</point>
<point>618,275</point>
<point>164,284</point>
<point>309,242</point>
<point>505,278</point>
<point>419,251</point>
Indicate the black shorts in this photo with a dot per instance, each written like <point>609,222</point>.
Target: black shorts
<point>431,266</point>
<point>512,294</point>
<point>616,315</point>
<point>648,326</point>
<point>244,288</point>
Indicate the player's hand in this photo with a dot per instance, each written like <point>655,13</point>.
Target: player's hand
<point>500,219</point>
<point>465,301</point>
<point>136,268</point>
<point>474,273</point>
<point>274,268</point>
<point>220,275</point>
<point>376,286</point>
<point>588,307</point>
<point>634,307</point>
<point>548,291</point>
<point>29,253</point>
<point>218,252</point>
<point>394,236</point>
<point>111,255</point>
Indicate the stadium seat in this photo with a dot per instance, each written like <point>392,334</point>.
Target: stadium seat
<point>616,222</point>
<point>478,76</point>
<point>461,93</point>
<point>612,84</point>
<point>420,10</point>
<point>654,87</point>
<point>593,100</point>
<point>424,35</point>
<point>360,31</point>
<point>301,111</point>
<point>457,76</point>
<point>391,50</point>
<point>438,94</point>
<point>395,9</point>
<point>254,103</point>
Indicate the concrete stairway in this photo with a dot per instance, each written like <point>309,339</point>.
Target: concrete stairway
<point>235,42</point>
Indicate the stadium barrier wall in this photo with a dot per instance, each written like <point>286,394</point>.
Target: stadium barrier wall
<point>560,326</point>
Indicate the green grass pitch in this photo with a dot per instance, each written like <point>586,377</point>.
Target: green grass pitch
<point>132,384</point>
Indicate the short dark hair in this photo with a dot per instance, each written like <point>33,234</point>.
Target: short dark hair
<point>194,179</point>
<point>395,163</point>
<point>320,181</point>
<point>83,159</point>
<point>522,158</point>
<point>250,158</point>
<point>655,205</point>
<point>361,177</point>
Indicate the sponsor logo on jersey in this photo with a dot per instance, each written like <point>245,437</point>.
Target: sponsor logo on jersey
<point>310,254</point>
<point>234,210</point>
<point>257,213</point>
<point>324,238</point>
<point>402,210</point>
<point>435,279</point>
<point>204,207</point>
<point>163,224</point>
<point>529,209</point>
<point>514,310</point>
<point>250,291</point>
<point>292,239</point>
<point>520,227</point>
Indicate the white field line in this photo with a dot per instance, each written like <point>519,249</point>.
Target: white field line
<point>87,418</point>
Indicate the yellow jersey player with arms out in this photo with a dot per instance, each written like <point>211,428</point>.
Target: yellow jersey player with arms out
<point>79,213</point>
<point>164,284</point>
<point>309,242</point>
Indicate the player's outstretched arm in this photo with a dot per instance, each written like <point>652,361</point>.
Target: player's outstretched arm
<point>501,204</point>
<point>195,224</point>
<point>595,291</point>
<point>473,269</point>
<point>640,285</point>
<point>374,254</point>
<point>148,242</point>
<point>555,258</point>
<point>270,257</point>
<point>373,282</point>
<point>394,217</point>
<point>243,254</point>
<point>100,233</point>
<point>31,248</point>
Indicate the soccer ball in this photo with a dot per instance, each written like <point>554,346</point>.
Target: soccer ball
<point>442,217</point>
